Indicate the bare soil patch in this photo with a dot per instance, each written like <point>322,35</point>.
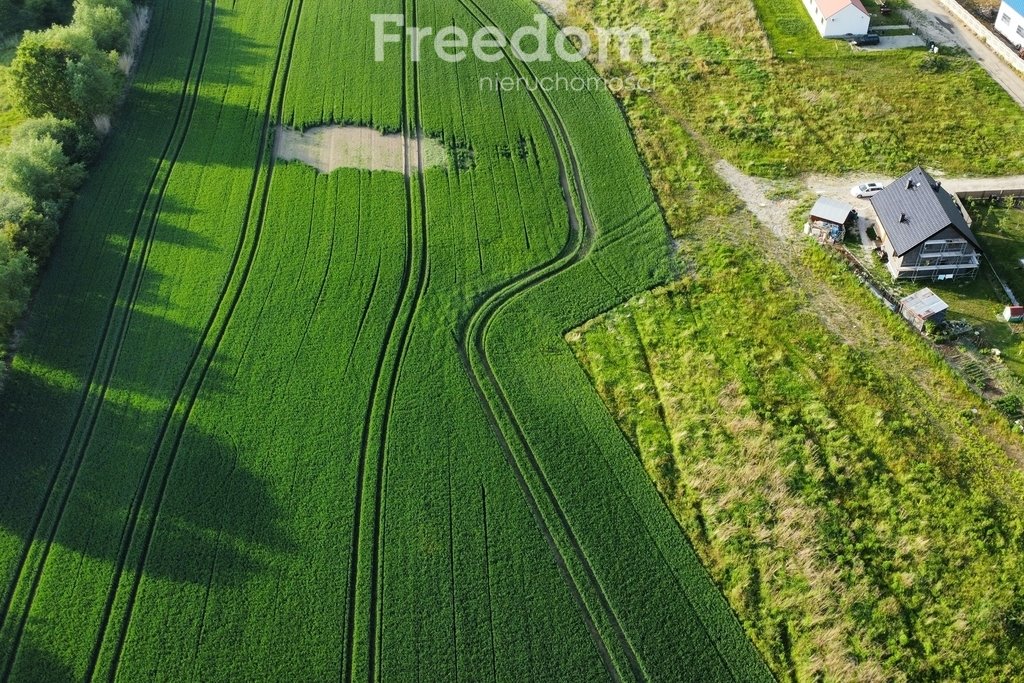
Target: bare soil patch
<point>328,148</point>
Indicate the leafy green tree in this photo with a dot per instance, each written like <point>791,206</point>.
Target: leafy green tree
<point>61,71</point>
<point>18,15</point>
<point>106,21</point>
<point>27,227</point>
<point>77,141</point>
<point>16,273</point>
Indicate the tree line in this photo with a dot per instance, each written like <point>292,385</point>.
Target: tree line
<point>67,80</point>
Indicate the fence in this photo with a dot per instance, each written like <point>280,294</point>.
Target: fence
<point>990,194</point>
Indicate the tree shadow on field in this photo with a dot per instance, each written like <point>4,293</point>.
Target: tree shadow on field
<point>154,350</point>
<point>171,37</point>
<point>36,665</point>
<point>214,512</point>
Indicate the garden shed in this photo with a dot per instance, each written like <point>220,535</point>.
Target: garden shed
<point>923,306</point>
<point>828,219</point>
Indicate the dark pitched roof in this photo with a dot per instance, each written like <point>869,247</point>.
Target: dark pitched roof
<point>914,208</point>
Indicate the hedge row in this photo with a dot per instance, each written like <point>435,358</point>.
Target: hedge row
<point>67,79</point>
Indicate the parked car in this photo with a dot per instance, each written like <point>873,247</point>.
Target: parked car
<point>866,39</point>
<point>866,190</point>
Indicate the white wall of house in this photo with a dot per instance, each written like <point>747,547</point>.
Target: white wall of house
<point>847,20</point>
<point>1010,23</point>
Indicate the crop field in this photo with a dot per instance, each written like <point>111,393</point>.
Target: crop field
<point>267,423</point>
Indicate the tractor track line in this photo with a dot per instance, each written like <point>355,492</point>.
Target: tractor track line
<point>122,334</point>
<point>176,401</point>
<point>477,328</point>
<point>320,292</point>
<point>109,318</point>
<point>423,274</point>
<point>403,336</point>
<point>363,316</point>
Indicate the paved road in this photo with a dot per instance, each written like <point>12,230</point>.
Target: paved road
<point>938,25</point>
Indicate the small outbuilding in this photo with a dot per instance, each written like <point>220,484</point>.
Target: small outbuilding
<point>829,219</point>
<point>1013,314</point>
<point>923,306</point>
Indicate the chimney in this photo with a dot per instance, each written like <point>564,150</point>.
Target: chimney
<point>910,183</point>
<point>903,218</point>
<point>937,186</point>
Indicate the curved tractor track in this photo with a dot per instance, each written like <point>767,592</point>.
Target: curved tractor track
<point>134,288</point>
<point>416,259</point>
<point>472,349</point>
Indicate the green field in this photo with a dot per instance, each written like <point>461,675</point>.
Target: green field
<point>271,424</point>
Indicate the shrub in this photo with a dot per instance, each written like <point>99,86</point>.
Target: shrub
<point>77,142</point>
<point>16,274</point>
<point>38,167</point>
<point>26,226</point>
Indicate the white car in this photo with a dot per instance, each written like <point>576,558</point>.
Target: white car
<point>866,190</point>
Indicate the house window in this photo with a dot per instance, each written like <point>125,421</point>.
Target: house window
<point>1020,31</point>
<point>1005,18</point>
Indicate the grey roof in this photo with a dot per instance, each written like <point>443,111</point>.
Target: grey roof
<point>831,210</point>
<point>928,208</point>
<point>923,303</point>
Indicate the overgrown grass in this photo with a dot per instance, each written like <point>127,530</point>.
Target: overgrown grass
<point>862,528</point>
<point>776,99</point>
<point>981,301</point>
<point>856,501</point>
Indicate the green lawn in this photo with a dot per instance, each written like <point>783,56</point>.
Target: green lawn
<point>981,301</point>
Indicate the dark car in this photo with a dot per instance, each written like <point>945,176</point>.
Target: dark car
<point>866,39</point>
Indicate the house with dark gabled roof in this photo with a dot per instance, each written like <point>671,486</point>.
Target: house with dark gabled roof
<point>925,233</point>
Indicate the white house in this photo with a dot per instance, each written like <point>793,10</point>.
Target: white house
<point>1010,21</point>
<point>839,17</point>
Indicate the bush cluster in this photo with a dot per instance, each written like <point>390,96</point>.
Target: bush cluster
<point>18,15</point>
<point>65,78</point>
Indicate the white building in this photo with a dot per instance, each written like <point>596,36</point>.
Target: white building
<point>840,17</point>
<point>1010,21</point>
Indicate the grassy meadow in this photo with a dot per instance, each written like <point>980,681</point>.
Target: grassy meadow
<point>856,501</point>
<point>756,81</point>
